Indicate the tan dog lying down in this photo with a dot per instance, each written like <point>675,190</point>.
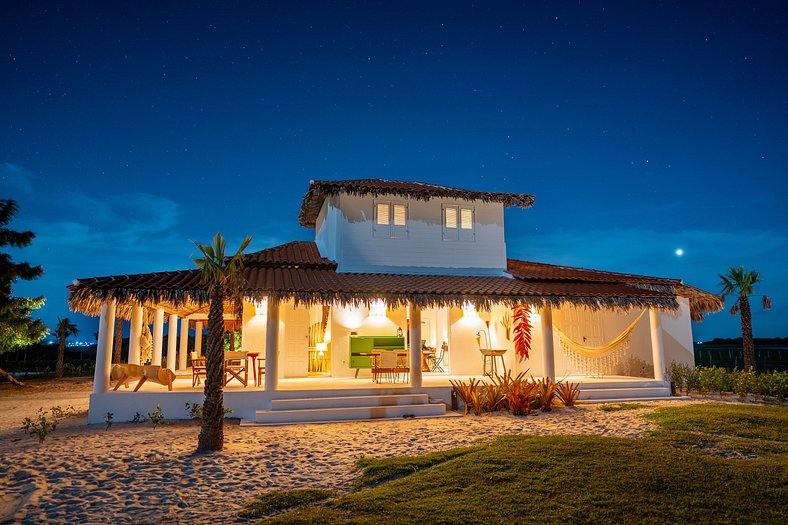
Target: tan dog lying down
<point>154,373</point>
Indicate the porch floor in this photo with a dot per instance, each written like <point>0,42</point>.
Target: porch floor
<point>183,383</point>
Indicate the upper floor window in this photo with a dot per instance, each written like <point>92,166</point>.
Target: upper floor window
<point>458,223</point>
<point>391,219</point>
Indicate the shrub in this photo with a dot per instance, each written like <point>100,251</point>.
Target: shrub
<point>138,418</point>
<point>43,424</point>
<point>545,394</point>
<point>567,393</point>
<point>195,410</point>
<point>108,419</point>
<point>156,417</point>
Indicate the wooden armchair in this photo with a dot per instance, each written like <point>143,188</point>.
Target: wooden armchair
<point>235,367</point>
<point>198,368</point>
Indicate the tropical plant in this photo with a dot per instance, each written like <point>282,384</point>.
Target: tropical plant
<point>522,331</point>
<point>65,329</point>
<point>17,328</point>
<point>545,394</point>
<point>468,392</point>
<point>44,424</point>
<point>222,275</point>
<point>567,393</point>
<point>740,283</point>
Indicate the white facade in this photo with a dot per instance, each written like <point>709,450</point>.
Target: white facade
<point>346,232</point>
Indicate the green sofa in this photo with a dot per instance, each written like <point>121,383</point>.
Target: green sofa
<point>364,344</point>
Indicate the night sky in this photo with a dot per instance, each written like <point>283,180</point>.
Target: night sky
<point>129,130</point>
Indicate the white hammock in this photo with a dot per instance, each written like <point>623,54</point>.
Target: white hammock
<point>597,360</point>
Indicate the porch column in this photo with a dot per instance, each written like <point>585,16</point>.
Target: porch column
<point>172,341</point>
<point>272,345</point>
<point>158,336</point>
<point>548,353</point>
<point>104,347</point>
<point>657,350</point>
<point>415,345</point>
<point>184,344</point>
<point>198,338</point>
<point>135,330</point>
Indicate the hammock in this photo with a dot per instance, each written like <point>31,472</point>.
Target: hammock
<point>597,360</point>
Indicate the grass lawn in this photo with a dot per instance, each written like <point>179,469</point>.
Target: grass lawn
<point>693,470</point>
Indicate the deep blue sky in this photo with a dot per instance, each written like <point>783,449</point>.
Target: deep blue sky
<point>129,130</point>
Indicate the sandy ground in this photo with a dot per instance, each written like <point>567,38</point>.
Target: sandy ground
<point>132,473</point>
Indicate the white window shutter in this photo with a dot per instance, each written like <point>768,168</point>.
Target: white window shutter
<point>466,218</point>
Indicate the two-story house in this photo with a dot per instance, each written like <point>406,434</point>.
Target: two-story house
<point>408,275</point>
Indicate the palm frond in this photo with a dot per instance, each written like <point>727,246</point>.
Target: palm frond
<point>735,308</point>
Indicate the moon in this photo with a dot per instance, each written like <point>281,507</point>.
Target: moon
<point>679,252</point>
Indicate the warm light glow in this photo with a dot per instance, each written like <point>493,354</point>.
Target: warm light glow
<point>321,348</point>
<point>377,308</point>
<point>468,310</point>
<point>261,307</point>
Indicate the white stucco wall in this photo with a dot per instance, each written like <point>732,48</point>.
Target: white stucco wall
<point>344,232</point>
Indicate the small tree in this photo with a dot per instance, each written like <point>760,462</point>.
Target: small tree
<point>741,283</point>
<point>17,328</point>
<point>65,329</point>
<point>222,275</point>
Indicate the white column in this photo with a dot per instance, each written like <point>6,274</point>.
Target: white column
<point>184,344</point>
<point>272,345</point>
<point>657,350</point>
<point>135,331</point>
<point>415,345</point>
<point>548,353</point>
<point>198,338</point>
<point>172,341</point>
<point>158,336</point>
<point>104,347</point>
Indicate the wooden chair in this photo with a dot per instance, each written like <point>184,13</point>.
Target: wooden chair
<point>198,368</point>
<point>234,365</point>
<point>383,365</point>
<point>260,371</point>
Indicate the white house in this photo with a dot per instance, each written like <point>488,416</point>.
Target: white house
<point>403,269</point>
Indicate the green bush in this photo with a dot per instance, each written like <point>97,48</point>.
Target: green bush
<point>704,380</point>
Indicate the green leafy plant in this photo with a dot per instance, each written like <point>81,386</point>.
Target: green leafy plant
<point>156,417</point>
<point>108,419</point>
<point>195,411</point>
<point>138,418</point>
<point>46,421</point>
<point>567,393</point>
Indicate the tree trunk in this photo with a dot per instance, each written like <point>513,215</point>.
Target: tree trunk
<point>8,376</point>
<point>212,431</point>
<point>61,352</point>
<point>118,340</point>
<point>746,332</point>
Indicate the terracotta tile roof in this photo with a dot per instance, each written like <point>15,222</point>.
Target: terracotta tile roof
<point>532,271</point>
<point>320,189</point>
<point>302,254</point>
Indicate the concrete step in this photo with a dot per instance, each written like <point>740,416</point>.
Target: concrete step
<point>624,393</point>
<point>349,413</point>
<point>349,401</point>
<point>635,400</point>
<point>597,385</point>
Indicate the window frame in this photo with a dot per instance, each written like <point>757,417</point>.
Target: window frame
<point>390,230</point>
<point>458,233</point>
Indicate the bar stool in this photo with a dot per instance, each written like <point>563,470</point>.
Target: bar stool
<point>491,356</point>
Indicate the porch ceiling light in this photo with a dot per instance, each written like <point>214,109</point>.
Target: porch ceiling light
<point>468,310</point>
<point>261,307</point>
<point>377,308</point>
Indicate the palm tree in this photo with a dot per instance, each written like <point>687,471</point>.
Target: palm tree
<point>65,329</point>
<point>741,283</point>
<point>222,275</point>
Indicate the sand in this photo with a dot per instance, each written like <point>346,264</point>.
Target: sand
<point>132,473</point>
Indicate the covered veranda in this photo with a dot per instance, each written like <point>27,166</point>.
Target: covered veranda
<point>296,276</point>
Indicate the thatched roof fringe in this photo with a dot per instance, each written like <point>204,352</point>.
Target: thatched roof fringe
<point>666,288</point>
<point>89,300</point>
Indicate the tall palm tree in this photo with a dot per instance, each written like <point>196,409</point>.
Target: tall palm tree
<point>222,275</point>
<point>65,329</point>
<point>741,283</point>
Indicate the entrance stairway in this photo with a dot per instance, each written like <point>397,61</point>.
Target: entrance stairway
<point>618,390</point>
<point>348,408</point>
